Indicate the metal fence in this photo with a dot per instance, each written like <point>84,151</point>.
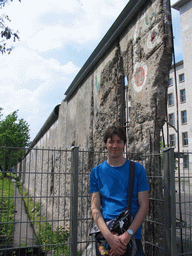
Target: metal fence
<point>37,195</point>
<point>183,199</point>
<point>45,202</point>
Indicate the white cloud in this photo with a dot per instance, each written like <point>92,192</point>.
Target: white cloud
<point>31,84</point>
<point>35,76</point>
<point>47,24</point>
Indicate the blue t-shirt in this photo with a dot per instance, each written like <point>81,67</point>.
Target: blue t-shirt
<point>112,183</point>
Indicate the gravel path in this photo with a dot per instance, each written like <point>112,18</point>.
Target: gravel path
<point>23,234</point>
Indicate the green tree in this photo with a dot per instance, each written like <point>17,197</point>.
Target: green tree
<point>14,137</point>
<point>0,113</point>
<point>6,32</point>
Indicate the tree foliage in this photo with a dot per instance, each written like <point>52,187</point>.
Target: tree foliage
<point>14,136</point>
<point>6,32</point>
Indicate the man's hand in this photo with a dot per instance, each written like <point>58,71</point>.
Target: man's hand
<point>118,247</point>
<point>123,241</point>
<point>125,238</point>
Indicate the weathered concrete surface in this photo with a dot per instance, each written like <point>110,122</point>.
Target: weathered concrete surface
<point>112,100</point>
<point>142,54</point>
<point>147,72</point>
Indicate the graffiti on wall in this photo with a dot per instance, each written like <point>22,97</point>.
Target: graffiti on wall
<point>97,84</point>
<point>139,77</point>
<point>150,19</point>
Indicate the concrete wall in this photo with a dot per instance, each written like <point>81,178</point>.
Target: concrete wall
<point>142,53</point>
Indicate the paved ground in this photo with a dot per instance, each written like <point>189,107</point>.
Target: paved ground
<point>23,234</point>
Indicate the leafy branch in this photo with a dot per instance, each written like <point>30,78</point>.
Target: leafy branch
<point>6,32</point>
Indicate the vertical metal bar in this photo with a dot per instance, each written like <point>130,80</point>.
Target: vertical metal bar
<point>169,203</point>
<point>74,201</point>
<point>167,219</point>
<point>65,194</point>
<point>173,203</point>
<point>47,191</point>
<point>20,220</point>
<point>59,188</point>
<point>81,224</point>
<point>52,184</point>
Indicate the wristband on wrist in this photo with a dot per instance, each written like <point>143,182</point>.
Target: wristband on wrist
<point>130,232</point>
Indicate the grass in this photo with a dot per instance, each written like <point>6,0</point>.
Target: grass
<point>44,234</point>
<point>51,240</point>
<point>6,211</point>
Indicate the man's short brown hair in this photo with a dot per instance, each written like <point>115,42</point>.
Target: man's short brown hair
<point>112,130</point>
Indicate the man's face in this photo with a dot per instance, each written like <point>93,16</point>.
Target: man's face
<point>115,146</point>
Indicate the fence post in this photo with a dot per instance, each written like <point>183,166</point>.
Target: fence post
<point>169,202</point>
<point>74,201</point>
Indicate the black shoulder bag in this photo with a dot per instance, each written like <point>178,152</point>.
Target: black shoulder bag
<point>122,222</point>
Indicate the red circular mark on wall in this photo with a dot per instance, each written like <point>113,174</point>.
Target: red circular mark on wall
<point>152,37</point>
<point>139,76</point>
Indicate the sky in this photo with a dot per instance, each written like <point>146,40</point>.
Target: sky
<point>56,39</point>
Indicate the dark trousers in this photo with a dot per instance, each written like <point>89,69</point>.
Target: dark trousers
<point>138,253</point>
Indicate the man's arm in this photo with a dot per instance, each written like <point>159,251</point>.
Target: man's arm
<point>115,242</point>
<point>96,213</point>
<point>140,216</point>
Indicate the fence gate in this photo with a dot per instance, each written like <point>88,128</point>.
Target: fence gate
<point>183,199</point>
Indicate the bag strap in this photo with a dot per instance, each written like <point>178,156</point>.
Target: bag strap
<point>131,183</point>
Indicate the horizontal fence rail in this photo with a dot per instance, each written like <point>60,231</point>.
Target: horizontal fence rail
<point>45,202</point>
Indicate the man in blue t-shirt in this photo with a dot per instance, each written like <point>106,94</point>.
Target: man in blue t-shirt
<point>109,187</point>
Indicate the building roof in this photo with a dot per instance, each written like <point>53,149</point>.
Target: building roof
<point>120,24</point>
<point>180,4</point>
<point>179,63</point>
